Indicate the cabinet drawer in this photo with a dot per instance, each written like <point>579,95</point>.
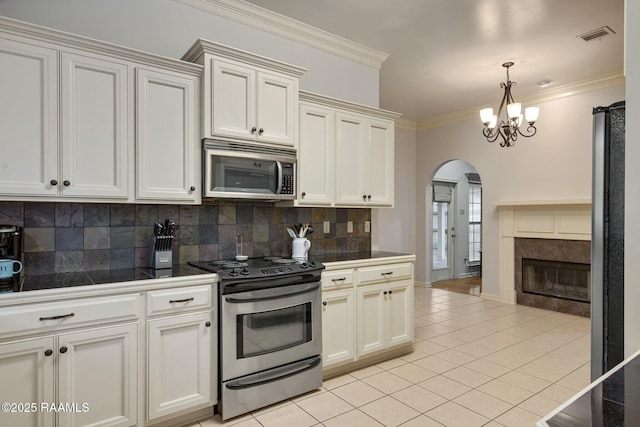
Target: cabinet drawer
<point>70,313</point>
<point>337,279</point>
<point>178,299</point>
<point>384,273</point>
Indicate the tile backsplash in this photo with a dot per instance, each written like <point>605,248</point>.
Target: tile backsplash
<point>64,237</point>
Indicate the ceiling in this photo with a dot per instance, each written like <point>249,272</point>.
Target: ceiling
<point>445,56</point>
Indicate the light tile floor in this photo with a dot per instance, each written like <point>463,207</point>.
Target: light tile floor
<point>476,362</point>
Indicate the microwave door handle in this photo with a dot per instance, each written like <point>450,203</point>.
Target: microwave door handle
<point>279,189</point>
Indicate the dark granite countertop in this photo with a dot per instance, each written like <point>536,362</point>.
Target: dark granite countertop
<point>611,400</point>
<point>98,277</point>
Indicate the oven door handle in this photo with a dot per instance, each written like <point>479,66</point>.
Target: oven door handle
<point>274,293</point>
<point>279,374</point>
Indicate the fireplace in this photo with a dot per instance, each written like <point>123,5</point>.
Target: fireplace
<point>553,274</point>
<point>558,279</point>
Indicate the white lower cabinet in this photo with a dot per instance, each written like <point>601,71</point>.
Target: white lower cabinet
<point>93,371</point>
<point>97,372</point>
<point>367,310</point>
<point>181,351</point>
<point>338,327</point>
<point>384,316</point>
<point>179,363</point>
<point>27,372</point>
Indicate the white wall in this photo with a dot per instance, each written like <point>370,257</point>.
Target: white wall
<point>554,164</point>
<point>168,28</point>
<point>393,229</point>
<point>632,178</point>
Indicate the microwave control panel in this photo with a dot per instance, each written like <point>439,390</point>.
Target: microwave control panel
<point>288,179</point>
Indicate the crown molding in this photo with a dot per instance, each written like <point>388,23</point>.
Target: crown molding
<point>559,92</point>
<point>12,27</point>
<point>316,98</point>
<point>406,124</point>
<point>266,20</point>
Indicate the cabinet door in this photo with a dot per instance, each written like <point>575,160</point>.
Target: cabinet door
<point>371,320</point>
<point>95,132</point>
<point>234,100</point>
<point>338,327</point>
<point>166,136</point>
<point>180,371</point>
<point>277,109</point>
<point>378,164</point>
<point>99,367</point>
<point>28,119</point>
<point>27,377</point>
<point>349,146</point>
<point>399,311</point>
<point>315,156</point>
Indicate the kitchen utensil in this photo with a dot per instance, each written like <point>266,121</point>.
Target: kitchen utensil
<point>292,233</point>
<point>239,255</point>
<point>160,255</point>
<point>300,248</point>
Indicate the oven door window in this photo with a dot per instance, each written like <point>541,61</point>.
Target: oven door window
<point>272,331</point>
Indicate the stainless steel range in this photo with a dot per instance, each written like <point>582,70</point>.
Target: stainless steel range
<point>270,336</point>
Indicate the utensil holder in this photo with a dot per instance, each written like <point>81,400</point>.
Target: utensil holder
<point>160,254</point>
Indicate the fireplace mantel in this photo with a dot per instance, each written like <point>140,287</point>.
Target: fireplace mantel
<point>556,219</point>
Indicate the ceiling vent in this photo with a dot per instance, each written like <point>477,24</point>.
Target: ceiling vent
<point>597,34</point>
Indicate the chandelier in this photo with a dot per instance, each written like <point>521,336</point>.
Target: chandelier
<point>508,127</point>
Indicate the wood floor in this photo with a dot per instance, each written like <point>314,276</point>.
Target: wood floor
<point>469,285</point>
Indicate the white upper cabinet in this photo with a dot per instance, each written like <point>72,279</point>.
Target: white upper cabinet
<point>75,114</point>
<point>234,100</point>
<point>28,119</point>
<point>166,107</point>
<point>378,162</point>
<point>345,154</point>
<point>350,146</point>
<point>95,127</point>
<point>315,155</point>
<point>246,97</point>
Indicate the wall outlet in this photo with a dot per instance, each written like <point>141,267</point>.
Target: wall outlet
<point>349,226</point>
<point>327,227</point>
<point>367,226</point>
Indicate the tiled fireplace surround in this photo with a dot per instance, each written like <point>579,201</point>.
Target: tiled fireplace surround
<point>547,230</point>
<point>572,251</point>
<point>64,237</point>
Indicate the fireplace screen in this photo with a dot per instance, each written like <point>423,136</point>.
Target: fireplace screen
<point>566,280</point>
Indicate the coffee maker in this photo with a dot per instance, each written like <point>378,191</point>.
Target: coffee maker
<point>11,249</point>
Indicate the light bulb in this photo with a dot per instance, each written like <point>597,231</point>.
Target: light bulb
<point>513,110</point>
<point>485,115</point>
<point>531,114</point>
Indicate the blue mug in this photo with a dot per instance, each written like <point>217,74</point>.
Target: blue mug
<point>7,268</point>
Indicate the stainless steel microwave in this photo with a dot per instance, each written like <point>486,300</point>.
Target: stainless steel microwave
<point>248,171</point>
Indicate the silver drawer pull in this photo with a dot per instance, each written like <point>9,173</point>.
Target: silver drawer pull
<point>62,316</point>
<point>341,279</point>
<point>180,300</point>
<point>387,274</point>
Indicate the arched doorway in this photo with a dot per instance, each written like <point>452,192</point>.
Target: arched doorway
<point>454,224</point>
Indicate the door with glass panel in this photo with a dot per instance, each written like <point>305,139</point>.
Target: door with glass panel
<point>442,231</point>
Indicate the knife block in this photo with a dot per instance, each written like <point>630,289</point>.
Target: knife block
<point>159,256</point>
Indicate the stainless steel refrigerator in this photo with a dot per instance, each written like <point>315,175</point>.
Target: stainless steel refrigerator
<point>607,239</point>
